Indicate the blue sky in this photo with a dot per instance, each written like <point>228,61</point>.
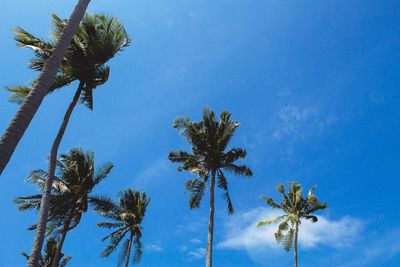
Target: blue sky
<point>315,85</point>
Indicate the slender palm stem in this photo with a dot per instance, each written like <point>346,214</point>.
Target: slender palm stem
<point>296,234</point>
<point>22,119</point>
<point>45,201</point>
<point>211,222</point>
<point>61,242</point>
<point>129,250</point>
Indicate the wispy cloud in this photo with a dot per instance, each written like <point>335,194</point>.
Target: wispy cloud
<point>378,249</point>
<point>154,247</point>
<point>296,122</point>
<point>196,254</point>
<point>196,241</point>
<point>151,174</point>
<point>242,233</point>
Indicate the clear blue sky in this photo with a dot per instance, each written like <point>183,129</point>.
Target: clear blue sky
<point>315,85</point>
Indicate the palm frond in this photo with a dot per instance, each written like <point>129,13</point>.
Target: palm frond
<point>196,187</point>
<point>223,184</point>
<point>113,243</point>
<point>241,170</point>
<point>271,221</point>
<point>270,202</point>
<point>137,254</point>
<point>124,252</point>
<point>102,173</point>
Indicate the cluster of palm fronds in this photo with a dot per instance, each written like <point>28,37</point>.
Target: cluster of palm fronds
<point>71,196</point>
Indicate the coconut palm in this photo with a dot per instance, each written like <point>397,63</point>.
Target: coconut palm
<point>71,191</point>
<point>296,208</point>
<point>97,39</point>
<point>50,249</point>
<point>209,160</point>
<point>126,219</point>
<point>22,119</point>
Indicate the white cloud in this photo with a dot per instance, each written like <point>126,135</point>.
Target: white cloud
<point>197,253</point>
<point>154,247</point>
<point>242,232</point>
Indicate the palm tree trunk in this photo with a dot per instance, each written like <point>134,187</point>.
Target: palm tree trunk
<point>129,251</point>
<point>296,235</point>
<point>61,242</point>
<point>45,201</point>
<point>210,222</point>
<point>27,110</point>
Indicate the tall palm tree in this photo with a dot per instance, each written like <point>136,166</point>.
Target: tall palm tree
<point>296,208</point>
<point>126,217</point>
<point>22,119</point>
<point>50,249</point>
<point>209,160</point>
<point>70,196</point>
<point>97,39</point>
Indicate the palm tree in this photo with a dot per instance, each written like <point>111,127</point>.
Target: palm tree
<point>22,119</point>
<point>209,139</point>
<point>50,249</point>
<point>296,208</point>
<point>70,196</point>
<point>127,217</point>
<point>97,40</point>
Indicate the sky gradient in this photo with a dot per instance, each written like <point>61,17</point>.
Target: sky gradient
<point>314,84</point>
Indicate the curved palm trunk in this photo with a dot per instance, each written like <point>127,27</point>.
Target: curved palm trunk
<point>45,201</point>
<point>129,251</point>
<point>210,223</point>
<point>27,111</point>
<point>60,244</point>
<point>296,235</point>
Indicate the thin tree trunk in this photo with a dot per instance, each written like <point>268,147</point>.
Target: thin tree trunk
<point>45,201</point>
<point>129,251</point>
<point>27,110</point>
<point>211,222</point>
<point>296,235</point>
<point>61,242</point>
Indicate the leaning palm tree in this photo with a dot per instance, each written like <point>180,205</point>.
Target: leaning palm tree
<point>126,217</point>
<point>209,160</point>
<point>50,249</point>
<point>97,39</point>
<point>22,119</point>
<point>70,196</point>
<point>296,208</point>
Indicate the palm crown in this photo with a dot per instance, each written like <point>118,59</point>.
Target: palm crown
<point>97,39</point>
<point>126,217</point>
<point>296,208</point>
<point>209,139</point>
<point>71,188</point>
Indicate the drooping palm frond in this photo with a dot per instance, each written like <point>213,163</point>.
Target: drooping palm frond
<point>223,184</point>
<point>138,252</point>
<point>114,242</point>
<point>124,252</point>
<point>197,188</point>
